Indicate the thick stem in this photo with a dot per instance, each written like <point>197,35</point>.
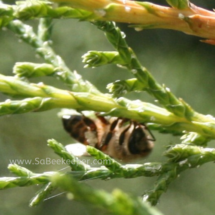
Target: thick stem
<point>192,20</point>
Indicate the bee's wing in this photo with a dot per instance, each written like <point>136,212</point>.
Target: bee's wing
<point>77,149</point>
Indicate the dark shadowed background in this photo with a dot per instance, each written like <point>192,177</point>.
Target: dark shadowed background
<point>179,61</point>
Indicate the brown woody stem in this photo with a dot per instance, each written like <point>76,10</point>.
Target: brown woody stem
<point>192,20</point>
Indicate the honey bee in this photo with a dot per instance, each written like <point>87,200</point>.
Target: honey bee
<point>120,138</point>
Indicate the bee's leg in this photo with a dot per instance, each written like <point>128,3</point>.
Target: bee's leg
<point>146,128</point>
<point>124,120</point>
<point>90,123</point>
<point>102,119</point>
<point>90,133</point>
<point>138,142</point>
<point>122,135</point>
<point>109,135</point>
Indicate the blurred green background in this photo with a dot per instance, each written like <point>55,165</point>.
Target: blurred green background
<point>180,61</point>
